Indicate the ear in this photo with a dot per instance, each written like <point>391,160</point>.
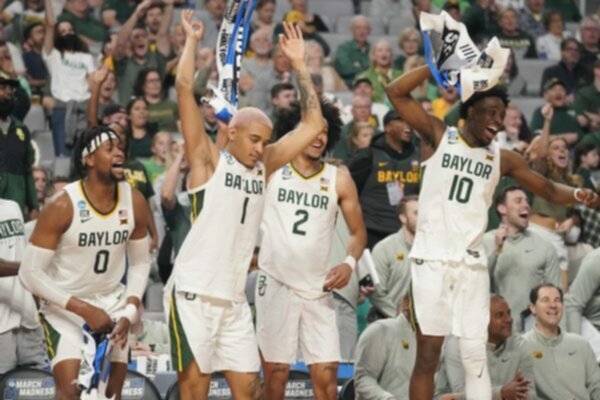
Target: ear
<point>88,160</point>
<point>231,131</point>
<point>501,209</point>
<point>403,219</point>
<point>532,309</point>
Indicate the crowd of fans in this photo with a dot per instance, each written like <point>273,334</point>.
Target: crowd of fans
<point>80,63</point>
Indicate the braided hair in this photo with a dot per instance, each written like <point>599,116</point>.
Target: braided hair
<point>86,142</point>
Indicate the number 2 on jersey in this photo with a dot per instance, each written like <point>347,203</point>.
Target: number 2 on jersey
<point>303,214</point>
<point>461,189</point>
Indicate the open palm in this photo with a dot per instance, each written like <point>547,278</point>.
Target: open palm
<point>192,29</point>
<point>292,43</point>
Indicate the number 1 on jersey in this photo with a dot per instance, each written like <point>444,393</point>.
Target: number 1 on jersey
<point>244,208</point>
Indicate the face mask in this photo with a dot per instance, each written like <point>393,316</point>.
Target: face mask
<point>6,107</point>
<point>68,42</point>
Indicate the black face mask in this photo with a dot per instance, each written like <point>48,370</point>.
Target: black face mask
<point>6,107</point>
<point>68,42</point>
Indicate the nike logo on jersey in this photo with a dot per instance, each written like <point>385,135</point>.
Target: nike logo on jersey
<point>382,164</point>
<point>84,220</point>
<point>481,372</point>
<point>504,360</point>
<point>572,353</point>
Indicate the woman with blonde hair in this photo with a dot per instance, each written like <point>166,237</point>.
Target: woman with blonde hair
<point>409,41</point>
<point>425,90</point>
<point>360,137</point>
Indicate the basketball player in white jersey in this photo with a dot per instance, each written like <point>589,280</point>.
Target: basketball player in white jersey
<point>210,321</point>
<point>450,281</point>
<point>294,304</point>
<point>75,262</point>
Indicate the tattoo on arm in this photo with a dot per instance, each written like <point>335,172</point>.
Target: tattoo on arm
<point>308,95</point>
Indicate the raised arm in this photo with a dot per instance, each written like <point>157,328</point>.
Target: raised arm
<point>49,34</point>
<point>127,28</point>
<point>311,123</point>
<point>162,38</point>
<point>339,276</point>
<point>398,91</point>
<point>200,151</point>
<point>514,165</point>
<point>98,79</point>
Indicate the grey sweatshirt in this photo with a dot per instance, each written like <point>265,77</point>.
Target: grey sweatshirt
<point>583,297</point>
<point>564,366</point>
<point>526,261</point>
<point>503,363</point>
<point>393,267</point>
<point>385,356</point>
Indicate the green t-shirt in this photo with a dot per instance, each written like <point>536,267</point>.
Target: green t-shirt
<point>135,175</point>
<point>587,99</point>
<point>140,148</point>
<point>379,81</point>
<point>563,121</point>
<point>165,114</point>
<point>127,70</point>
<point>179,223</point>
<point>153,170</point>
<point>86,26</point>
<point>567,8</point>
<point>124,8</point>
<point>350,60</point>
<point>586,174</point>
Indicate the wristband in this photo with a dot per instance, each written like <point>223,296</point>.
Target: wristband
<point>351,261</point>
<point>130,312</point>
<point>576,193</point>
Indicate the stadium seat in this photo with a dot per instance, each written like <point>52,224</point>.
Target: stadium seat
<point>45,145</point>
<point>334,40</point>
<point>139,387</point>
<point>527,105</point>
<point>397,24</point>
<point>62,166</point>
<point>532,70</point>
<point>572,27</point>
<point>344,22</point>
<point>347,392</point>
<point>35,119</point>
<point>153,300</point>
<point>219,389</point>
<point>26,383</point>
<point>332,8</point>
<point>344,97</point>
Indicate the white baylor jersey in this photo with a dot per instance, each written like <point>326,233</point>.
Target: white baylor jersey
<point>298,225</point>
<point>90,257</point>
<point>216,253</point>
<point>457,190</point>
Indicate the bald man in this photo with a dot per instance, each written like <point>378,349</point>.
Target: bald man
<point>352,58</point>
<point>209,319</point>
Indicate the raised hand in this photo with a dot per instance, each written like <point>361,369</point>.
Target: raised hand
<point>292,43</point>
<point>100,74</point>
<point>193,30</point>
<point>547,111</point>
<point>143,7</point>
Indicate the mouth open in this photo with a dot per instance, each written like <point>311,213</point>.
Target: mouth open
<point>491,131</point>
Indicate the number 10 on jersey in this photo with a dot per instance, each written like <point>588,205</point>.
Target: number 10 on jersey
<point>461,188</point>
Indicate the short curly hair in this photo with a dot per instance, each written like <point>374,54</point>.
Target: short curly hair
<point>288,119</point>
<point>496,91</point>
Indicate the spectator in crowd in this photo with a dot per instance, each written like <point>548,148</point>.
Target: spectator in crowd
<point>352,57</point>
<point>16,153</point>
<point>532,19</point>
<point>127,67</point>
<point>162,112</point>
<point>583,298</point>
<point>360,137</point>
<point>114,113</point>
<point>518,258</point>
<point>362,87</point>
<point>161,146</point>
<point>384,173</point>
<point>481,20</point>
<point>392,263</point>
<point>262,46</point>
<point>381,71</point>
<point>564,365</point>
<point>409,42</point>
<point>443,104</point>
<point>77,12</point>
<point>589,33</point>
<point>511,137</point>
<point>564,121</point>
<point>511,368</point>
<point>587,103</point>
<point>23,91</point>
<point>20,14</point>
<point>425,90</point>
<point>586,162</point>
<point>107,91</point>
<point>514,83</point>
<point>282,97</point>
<point>158,19</point>
<point>206,65</point>
<point>332,82</point>
<point>310,22</point>
<point>140,131</point>
<point>385,355</point>
<point>41,182</point>
<point>361,112</point>
<point>569,70</point>
<point>70,65</point>
<point>211,125</point>
<point>264,12</point>
<point>548,45</point>
<point>567,8</point>
<point>37,73</point>
<point>212,21</point>
<point>512,37</point>
<point>115,13</point>
<point>259,96</point>
<point>21,335</point>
